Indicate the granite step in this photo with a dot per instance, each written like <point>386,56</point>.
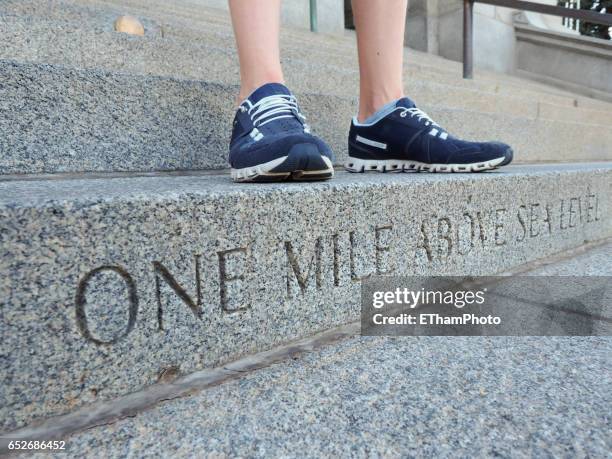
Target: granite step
<point>354,397</point>
<point>67,24</point>
<point>194,14</point>
<point>59,119</point>
<point>53,42</point>
<point>319,382</point>
<point>195,18</point>
<point>114,282</point>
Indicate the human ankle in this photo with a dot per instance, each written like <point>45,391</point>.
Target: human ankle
<point>368,106</point>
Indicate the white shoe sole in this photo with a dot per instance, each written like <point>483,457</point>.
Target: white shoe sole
<point>393,165</point>
<point>263,172</point>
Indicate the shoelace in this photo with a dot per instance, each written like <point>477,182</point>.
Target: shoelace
<point>273,108</point>
<point>420,114</point>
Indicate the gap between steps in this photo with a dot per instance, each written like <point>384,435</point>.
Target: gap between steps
<point>110,175</point>
<point>109,412</point>
<point>101,175</point>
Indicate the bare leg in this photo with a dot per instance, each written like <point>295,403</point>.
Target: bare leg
<point>256,28</point>
<point>380,37</point>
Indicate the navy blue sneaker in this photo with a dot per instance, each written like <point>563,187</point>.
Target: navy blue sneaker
<point>271,140</point>
<point>401,137</point>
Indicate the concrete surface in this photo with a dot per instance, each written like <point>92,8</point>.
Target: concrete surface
<point>185,36</point>
<point>107,437</point>
<point>106,111</point>
<point>389,397</point>
<point>436,27</point>
<point>565,57</point>
<point>594,262</point>
<point>105,118</point>
<point>212,26</point>
<point>59,119</point>
<point>128,278</point>
<point>212,57</point>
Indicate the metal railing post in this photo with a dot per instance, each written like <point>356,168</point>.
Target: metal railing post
<point>468,39</point>
<point>314,18</point>
<point>573,14</point>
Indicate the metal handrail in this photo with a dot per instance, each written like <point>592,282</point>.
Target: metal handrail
<point>468,22</point>
<point>314,16</point>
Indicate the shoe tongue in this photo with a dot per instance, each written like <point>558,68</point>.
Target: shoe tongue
<point>405,102</point>
<point>269,89</point>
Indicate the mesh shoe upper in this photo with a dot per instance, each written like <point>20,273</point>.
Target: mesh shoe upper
<point>408,133</point>
<point>266,127</point>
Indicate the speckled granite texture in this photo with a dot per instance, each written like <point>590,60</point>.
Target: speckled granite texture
<point>153,106</point>
<point>113,281</point>
<point>195,30</point>
<point>206,51</point>
<point>58,119</point>
<point>389,397</point>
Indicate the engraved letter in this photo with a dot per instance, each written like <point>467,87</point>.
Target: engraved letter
<point>500,215</point>
<point>444,234</point>
<point>472,235</point>
<point>562,215</point>
<point>592,210</point>
<point>225,277</point>
<point>294,266</point>
<point>81,302</point>
<point>548,219</point>
<point>424,242</point>
<point>533,219</point>
<point>481,229</point>
<point>352,248</point>
<point>521,220</point>
<point>336,248</point>
<point>195,306</point>
<point>572,212</point>
<point>382,248</point>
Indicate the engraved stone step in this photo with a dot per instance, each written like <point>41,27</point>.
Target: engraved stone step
<point>112,282</point>
<point>50,42</point>
<point>281,386</point>
<point>57,119</point>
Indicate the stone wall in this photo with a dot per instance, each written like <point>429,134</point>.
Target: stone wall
<point>578,63</point>
<point>436,26</point>
<point>510,41</point>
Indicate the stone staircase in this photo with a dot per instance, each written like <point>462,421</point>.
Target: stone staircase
<point>128,256</point>
<point>152,95</point>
